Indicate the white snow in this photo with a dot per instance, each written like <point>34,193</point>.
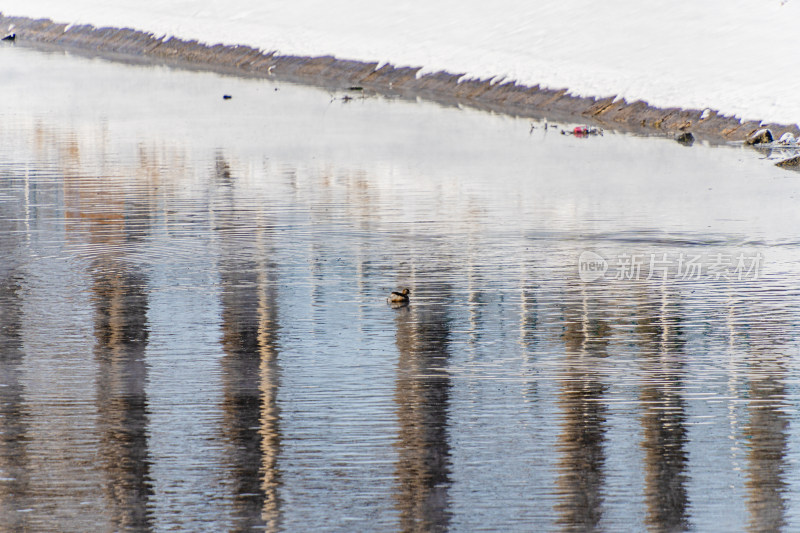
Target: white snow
<point>732,55</point>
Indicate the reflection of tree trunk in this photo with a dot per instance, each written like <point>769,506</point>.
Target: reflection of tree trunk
<point>665,458</point>
<point>529,318</point>
<point>121,333</point>
<point>581,478</point>
<point>767,438</point>
<point>664,418</point>
<point>14,489</point>
<point>271,441</point>
<point>251,372</point>
<point>422,396</point>
<point>249,321</point>
<point>581,467</point>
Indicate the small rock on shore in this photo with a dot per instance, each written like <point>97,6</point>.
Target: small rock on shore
<point>792,162</point>
<point>761,136</point>
<point>686,138</point>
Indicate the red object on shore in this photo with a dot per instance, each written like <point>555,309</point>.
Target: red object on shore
<point>580,130</point>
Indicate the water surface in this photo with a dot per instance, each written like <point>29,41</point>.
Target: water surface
<point>195,334</point>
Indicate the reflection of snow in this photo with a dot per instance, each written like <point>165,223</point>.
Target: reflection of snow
<point>694,55</point>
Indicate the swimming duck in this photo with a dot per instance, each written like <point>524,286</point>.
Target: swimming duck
<point>399,297</point>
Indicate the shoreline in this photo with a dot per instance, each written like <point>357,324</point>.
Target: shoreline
<point>443,87</point>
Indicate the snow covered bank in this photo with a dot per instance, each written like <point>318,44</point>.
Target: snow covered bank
<point>731,55</point>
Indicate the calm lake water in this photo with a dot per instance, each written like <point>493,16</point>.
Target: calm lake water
<point>602,334</point>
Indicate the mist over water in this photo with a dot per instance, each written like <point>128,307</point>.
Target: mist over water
<point>194,331</point>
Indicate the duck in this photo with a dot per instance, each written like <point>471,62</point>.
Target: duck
<point>399,297</point>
